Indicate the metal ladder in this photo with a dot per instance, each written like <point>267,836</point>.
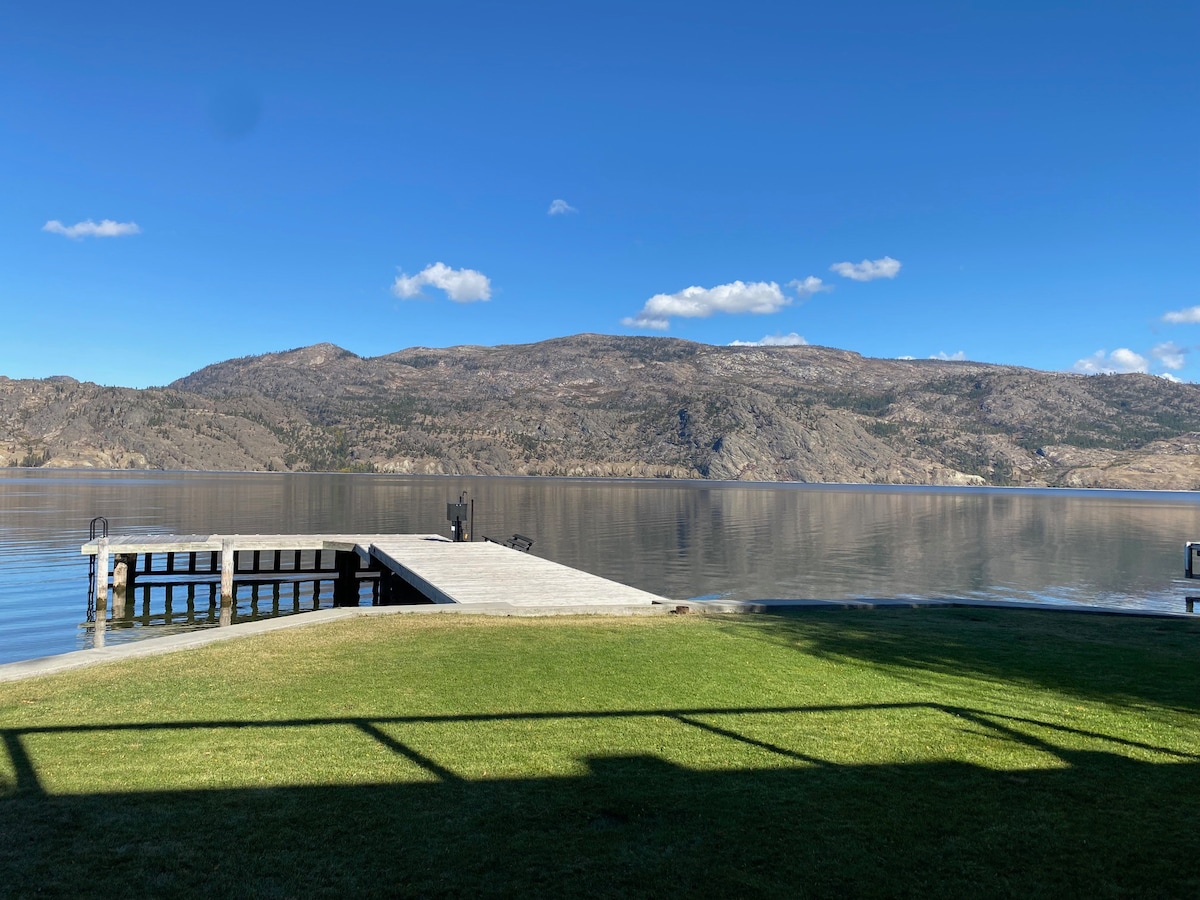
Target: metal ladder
<point>97,528</point>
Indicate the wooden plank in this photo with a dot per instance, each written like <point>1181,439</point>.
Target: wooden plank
<point>468,573</point>
<point>156,543</point>
<point>201,543</point>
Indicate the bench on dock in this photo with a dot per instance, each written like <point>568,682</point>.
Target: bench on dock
<point>516,542</point>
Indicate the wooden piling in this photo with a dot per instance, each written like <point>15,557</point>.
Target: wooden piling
<point>123,569</point>
<point>101,574</point>
<point>227,564</point>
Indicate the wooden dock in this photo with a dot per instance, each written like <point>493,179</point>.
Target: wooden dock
<point>467,573</point>
<point>404,569</point>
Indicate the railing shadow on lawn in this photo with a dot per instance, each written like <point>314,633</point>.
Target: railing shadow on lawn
<point>1100,823</point>
<point>1121,660</point>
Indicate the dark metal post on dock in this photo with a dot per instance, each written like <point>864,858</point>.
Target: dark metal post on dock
<point>457,514</point>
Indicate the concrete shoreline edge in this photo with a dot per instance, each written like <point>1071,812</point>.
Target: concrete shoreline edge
<point>76,659</point>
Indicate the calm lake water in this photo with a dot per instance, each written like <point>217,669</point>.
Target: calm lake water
<point>683,540</point>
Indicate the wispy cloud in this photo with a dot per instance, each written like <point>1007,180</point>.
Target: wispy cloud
<point>956,356</point>
<point>1169,355</point>
<point>460,285</point>
<point>773,340</point>
<point>756,297</point>
<point>103,228</point>
<point>1191,315</point>
<point>560,208</point>
<point>1121,361</point>
<point>809,286</point>
<point>868,269</point>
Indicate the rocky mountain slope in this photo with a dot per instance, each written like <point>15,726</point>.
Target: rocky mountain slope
<point>624,406</point>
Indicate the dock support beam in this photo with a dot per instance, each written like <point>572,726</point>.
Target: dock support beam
<point>101,593</point>
<point>345,588</point>
<point>227,564</point>
<point>124,567</point>
<point>102,574</point>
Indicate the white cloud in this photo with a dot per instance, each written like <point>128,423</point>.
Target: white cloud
<point>460,285</point>
<point>560,208</point>
<point>758,297</point>
<point>868,270</point>
<point>773,340</point>
<point>641,320</point>
<point>1169,355</point>
<point>809,286</point>
<point>1120,361</point>
<point>104,228</point>
<point>956,356</point>
<point>1191,315</point>
<point>1167,376</point>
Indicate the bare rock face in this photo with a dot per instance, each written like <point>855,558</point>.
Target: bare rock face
<point>601,406</point>
<point>1167,465</point>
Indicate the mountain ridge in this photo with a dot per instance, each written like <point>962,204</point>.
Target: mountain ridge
<point>623,406</point>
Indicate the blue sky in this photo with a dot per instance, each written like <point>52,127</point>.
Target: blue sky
<point>1006,182</point>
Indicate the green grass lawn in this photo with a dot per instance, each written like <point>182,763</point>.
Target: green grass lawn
<point>891,753</point>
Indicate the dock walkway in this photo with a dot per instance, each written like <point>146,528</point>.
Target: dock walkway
<point>474,573</point>
<point>412,568</point>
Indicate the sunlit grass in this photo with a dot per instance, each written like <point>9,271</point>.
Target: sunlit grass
<point>553,750</point>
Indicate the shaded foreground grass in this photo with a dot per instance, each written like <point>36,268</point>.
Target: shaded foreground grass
<point>905,752</point>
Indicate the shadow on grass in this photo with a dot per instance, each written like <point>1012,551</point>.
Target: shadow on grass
<point>1101,824</point>
<point>1115,659</point>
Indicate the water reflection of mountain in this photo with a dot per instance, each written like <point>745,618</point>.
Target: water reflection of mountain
<point>758,543</point>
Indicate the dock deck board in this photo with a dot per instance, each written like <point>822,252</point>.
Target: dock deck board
<point>470,573</point>
<point>207,543</point>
